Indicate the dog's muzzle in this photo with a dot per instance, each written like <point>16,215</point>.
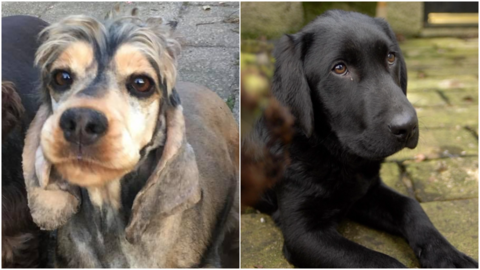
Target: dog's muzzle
<point>83,126</point>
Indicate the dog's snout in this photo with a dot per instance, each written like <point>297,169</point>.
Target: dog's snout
<point>404,126</point>
<point>83,125</point>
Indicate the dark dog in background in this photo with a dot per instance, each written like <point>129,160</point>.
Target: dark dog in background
<point>23,244</point>
<point>344,78</point>
<point>149,180</point>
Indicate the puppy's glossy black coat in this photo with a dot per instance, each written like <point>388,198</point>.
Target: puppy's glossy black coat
<point>344,78</point>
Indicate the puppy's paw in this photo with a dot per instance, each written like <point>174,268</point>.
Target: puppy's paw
<point>440,254</point>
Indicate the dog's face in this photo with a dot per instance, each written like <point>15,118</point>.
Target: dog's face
<point>353,82</point>
<point>108,85</point>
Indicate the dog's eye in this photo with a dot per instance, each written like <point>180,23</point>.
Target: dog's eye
<point>63,78</point>
<point>140,85</point>
<point>391,58</point>
<point>340,68</point>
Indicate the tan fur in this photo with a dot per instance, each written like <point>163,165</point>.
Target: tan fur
<point>77,57</point>
<point>130,60</point>
<point>51,202</point>
<point>109,193</point>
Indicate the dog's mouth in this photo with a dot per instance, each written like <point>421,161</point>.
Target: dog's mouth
<point>94,156</point>
<point>93,164</point>
<point>380,150</point>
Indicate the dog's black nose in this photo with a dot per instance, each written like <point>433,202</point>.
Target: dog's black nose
<point>404,127</point>
<point>83,125</point>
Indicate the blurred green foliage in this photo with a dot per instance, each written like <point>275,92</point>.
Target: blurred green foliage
<point>313,9</point>
<point>310,11</point>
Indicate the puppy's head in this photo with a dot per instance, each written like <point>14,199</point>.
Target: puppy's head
<point>107,85</point>
<point>344,76</point>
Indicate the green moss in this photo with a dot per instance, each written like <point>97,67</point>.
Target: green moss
<point>390,174</point>
<point>262,243</point>
<point>464,81</point>
<point>445,179</point>
<point>426,99</point>
<point>462,97</point>
<point>450,117</point>
<point>230,102</point>
<point>457,221</point>
<point>440,143</point>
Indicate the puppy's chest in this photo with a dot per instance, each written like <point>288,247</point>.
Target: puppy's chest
<point>332,180</point>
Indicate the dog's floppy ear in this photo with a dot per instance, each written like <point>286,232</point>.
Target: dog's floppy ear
<point>52,201</point>
<point>290,84</point>
<point>173,186</point>
<point>403,66</point>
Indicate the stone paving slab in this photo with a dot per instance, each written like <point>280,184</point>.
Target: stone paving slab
<point>219,69</point>
<point>443,97</point>
<point>26,8</point>
<point>461,97</point>
<point>440,143</point>
<point>447,117</point>
<point>215,27</point>
<point>445,179</point>
<point>439,73</point>
<point>261,243</point>
<point>226,4</point>
<point>211,50</point>
<point>391,176</point>
<point>426,99</point>
<point>457,221</point>
<point>442,63</point>
<point>463,81</point>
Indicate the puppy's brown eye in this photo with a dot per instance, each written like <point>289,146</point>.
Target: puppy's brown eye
<point>140,85</point>
<point>63,78</point>
<point>340,68</point>
<point>391,58</point>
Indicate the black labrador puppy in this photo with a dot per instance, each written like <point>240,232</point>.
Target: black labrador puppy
<point>344,78</point>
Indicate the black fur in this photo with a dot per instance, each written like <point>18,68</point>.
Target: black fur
<point>23,244</point>
<point>342,137</point>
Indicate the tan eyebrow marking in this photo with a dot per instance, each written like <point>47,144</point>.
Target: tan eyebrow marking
<point>77,57</point>
<point>130,60</point>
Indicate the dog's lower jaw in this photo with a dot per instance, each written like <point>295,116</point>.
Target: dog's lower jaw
<point>89,175</point>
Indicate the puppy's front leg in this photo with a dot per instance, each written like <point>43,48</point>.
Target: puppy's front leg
<point>390,211</point>
<point>311,239</point>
